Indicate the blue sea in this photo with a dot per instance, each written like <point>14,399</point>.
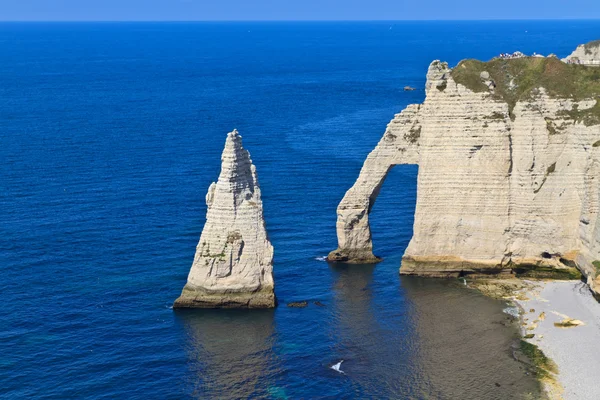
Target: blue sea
<point>111,133</point>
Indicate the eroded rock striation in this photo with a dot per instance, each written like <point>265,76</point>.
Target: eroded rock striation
<point>233,266</point>
<point>509,161</point>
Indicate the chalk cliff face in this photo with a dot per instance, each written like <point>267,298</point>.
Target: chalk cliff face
<point>586,54</point>
<point>508,176</point>
<point>233,266</point>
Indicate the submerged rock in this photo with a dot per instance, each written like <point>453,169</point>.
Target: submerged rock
<point>233,266</point>
<point>509,158</point>
<point>298,304</point>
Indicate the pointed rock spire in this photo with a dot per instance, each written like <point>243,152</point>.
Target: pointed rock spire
<point>233,266</point>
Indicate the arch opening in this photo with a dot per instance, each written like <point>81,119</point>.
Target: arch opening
<point>392,215</point>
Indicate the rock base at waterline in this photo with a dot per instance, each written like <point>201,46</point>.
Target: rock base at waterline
<point>353,257</point>
<point>197,298</point>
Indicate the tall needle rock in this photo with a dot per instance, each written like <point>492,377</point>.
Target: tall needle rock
<point>509,169</point>
<point>233,266</point>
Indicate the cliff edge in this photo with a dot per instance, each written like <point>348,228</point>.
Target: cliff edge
<point>585,54</point>
<point>233,266</point>
<point>509,160</point>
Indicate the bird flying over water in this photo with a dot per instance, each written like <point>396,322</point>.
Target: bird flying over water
<point>336,367</point>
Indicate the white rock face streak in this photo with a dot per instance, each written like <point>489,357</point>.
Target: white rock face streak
<point>233,266</point>
<point>501,187</point>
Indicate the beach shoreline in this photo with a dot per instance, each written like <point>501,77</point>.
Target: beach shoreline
<point>562,320</point>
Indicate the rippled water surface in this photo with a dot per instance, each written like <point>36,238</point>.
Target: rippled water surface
<point>110,135</point>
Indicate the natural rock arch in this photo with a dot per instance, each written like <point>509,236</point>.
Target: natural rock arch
<point>506,183</point>
<point>399,145</point>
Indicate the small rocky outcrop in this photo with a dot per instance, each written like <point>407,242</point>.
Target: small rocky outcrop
<point>233,266</point>
<point>298,304</point>
<point>509,159</point>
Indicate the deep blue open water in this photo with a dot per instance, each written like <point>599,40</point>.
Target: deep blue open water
<point>110,135</point>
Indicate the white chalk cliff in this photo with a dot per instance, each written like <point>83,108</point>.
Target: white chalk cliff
<point>233,266</point>
<point>508,177</point>
<point>586,54</point>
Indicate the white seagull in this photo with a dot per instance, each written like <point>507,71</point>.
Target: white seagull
<point>336,367</point>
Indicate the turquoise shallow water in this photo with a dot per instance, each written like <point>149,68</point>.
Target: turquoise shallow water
<point>110,136</point>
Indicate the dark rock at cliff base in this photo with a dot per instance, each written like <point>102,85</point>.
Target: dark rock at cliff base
<point>337,257</point>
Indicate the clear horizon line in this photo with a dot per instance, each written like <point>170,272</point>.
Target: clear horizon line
<point>292,20</point>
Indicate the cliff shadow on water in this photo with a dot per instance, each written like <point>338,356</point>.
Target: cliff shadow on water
<point>414,337</point>
<point>418,338</point>
<point>369,334</point>
<point>467,344</point>
<point>230,352</point>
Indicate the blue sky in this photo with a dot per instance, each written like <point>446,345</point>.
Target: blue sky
<point>158,10</point>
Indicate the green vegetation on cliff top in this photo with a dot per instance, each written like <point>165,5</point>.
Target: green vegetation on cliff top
<point>518,79</point>
<point>591,45</point>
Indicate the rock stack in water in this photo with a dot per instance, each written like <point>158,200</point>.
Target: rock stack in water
<point>233,266</point>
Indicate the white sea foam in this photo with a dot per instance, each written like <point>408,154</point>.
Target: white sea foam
<point>512,311</point>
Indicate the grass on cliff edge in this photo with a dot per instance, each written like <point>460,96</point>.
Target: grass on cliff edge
<point>540,272</point>
<point>527,74</point>
<point>596,265</point>
<point>591,45</point>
